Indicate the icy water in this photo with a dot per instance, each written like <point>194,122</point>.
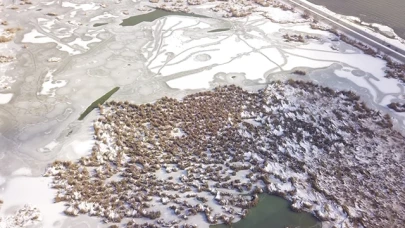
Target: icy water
<point>220,30</point>
<point>273,212</point>
<point>99,24</point>
<point>386,12</point>
<point>156,14</point>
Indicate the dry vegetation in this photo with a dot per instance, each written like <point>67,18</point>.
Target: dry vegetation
<point>4,39</point>
<point>294,38</point>
<point>13,30</point>
<point>52,14</point>
<point>8,34</point>
<point>294,139</point>
<point>398,107</point>
<point>6,59</point>
<point>239,8</point>
<point>300,72</point>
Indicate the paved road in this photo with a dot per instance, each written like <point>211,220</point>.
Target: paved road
<point>352,31</point>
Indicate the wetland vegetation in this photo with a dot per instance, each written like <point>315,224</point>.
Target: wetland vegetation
<point>212,153</point>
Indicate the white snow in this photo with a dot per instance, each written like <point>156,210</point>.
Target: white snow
<point>273,54</point>
<point>5,98</point>
<point>279,15</point>
<point>307,29</point>
<point>84,44</point>
<point>360,81</point>
<point>2,180</point>
<point>50,146</point>
<point>195,81</point>
<point>221,51</point>
<point>78,148</point>
<point>387,100</point>
<point>102,16</point>
<point>54,59</point>
<point>24,171</point>
<point>387,85</point>
<point>296,61</point>
<point>364,62</point>
<point>35,37</point>
<point>84,7</point>
<point>46,24</point>
<point>34,191</point>
<point>49,86</point>
<point>73,14</point>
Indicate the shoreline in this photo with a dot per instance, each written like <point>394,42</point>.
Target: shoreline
<point>395,46</point>
<point>374,17</point>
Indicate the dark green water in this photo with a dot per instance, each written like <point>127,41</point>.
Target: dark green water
<point>99,101</point>
<point>99,24</point>
<point>220,30</point>
<point>273,212</point>
<point>156,14</point>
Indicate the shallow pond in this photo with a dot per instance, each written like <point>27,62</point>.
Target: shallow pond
<point>220,30</point>
<point>274,212</point>
<point>156,14</point>
<point>99,24</point>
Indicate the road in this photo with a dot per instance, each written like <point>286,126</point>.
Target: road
<point>352,31</point>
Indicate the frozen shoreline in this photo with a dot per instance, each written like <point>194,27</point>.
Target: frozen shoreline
<point>379,31</point>
<point>372,11</point>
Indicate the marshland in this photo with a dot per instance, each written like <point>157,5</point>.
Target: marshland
<point>212,153</point>
<point>179,144</point>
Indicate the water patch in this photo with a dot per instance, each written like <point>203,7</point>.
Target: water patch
<point>220,30</point>
<point>98,102</point>
<point>273,211</point>
<point>99,24</point>
<point>156,14</point>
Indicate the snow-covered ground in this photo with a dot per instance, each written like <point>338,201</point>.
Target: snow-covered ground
<point>35,191</point>
<point>261,52</point>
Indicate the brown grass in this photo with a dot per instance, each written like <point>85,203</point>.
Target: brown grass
<point>13,30</point>
<point>4,39</point>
